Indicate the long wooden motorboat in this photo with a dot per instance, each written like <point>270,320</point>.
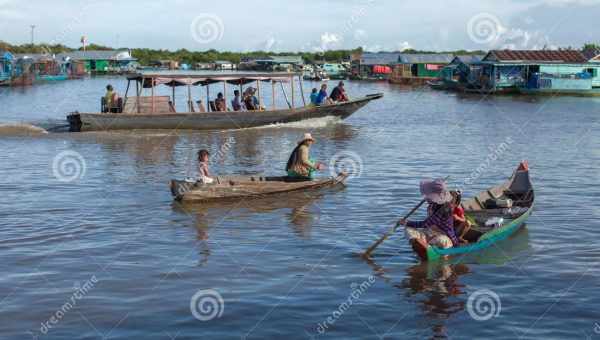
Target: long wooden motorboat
<point>231,188</point>
<point>158,112</point>
<point>484,207</point>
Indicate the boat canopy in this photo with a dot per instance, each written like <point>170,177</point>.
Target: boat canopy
<point>202,78</point>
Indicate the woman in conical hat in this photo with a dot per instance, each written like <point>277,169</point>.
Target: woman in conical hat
<point>299,164</point>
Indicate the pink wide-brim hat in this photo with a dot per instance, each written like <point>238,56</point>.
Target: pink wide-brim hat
<point>435,190</point>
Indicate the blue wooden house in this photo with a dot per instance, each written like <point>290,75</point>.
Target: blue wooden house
<point>6,67</point>
<point>537,72</point>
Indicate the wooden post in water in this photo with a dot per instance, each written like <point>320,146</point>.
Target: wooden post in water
<point>292,85</point>
<point>273,94</point>
<point>153,102</point>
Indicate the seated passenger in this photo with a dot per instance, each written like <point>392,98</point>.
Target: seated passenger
<point>339,93</point>
<point>236,103</point>
<point>111,98</point>
<point>322,96</point>
<point>299,165</point>
<point>249,100</point>
<point>204,175</point>
<point>313,96</point>
<point>461,224</point>
<point>220,103</point>
<point>438,228</point>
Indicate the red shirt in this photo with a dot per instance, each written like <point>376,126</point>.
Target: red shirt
<point>460,212</point>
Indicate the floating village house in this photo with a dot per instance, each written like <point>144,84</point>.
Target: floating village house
<point>459,70</point>
<point>419,67</point>
<point>288,63</point>
<point>6,67</point>
<point>111,61</point>
<point>224,65</point>
<point>540,71</point>
<point>370,65</point>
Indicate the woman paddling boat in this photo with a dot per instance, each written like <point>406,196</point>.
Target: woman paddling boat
<point>438,228</point>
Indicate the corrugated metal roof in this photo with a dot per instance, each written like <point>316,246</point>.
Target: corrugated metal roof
<point>422,58</point>
<point>287,59</point>
<point>379,58</point>
<point>97,55</point>
<point>554,56</point>
<point>468,58</point>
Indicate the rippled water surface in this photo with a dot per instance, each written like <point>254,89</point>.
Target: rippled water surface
<point>109,255</point>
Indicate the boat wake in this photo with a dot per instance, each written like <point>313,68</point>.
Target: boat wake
<point>312,123</point>
<point>21,129</point>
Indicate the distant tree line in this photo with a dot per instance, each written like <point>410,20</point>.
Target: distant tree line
<point>146,55</point>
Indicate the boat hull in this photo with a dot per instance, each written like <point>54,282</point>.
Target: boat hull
<point>478,209</point>
<point>235,188</point>
<point>211,120</point>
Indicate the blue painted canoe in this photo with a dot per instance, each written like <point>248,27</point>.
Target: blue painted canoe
<point>484,206</point>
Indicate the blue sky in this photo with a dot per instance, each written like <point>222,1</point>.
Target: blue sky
<point>308,25</point>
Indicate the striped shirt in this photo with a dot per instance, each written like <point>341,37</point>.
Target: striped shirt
<point>437,219</point>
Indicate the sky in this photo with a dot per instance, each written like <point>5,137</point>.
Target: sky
<point>304,25</point>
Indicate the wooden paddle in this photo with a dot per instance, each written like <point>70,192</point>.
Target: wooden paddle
<point>368,252</point>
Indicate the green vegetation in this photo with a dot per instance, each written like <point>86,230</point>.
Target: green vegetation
<point>146,55</point>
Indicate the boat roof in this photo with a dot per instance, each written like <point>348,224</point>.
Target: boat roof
<point>183,77</point>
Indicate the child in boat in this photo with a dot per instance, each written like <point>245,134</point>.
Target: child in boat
<point>438,228</point>
<point>299,165</point>
<point>461,224</point>
<point>204,174</point>
<point>313,96</point>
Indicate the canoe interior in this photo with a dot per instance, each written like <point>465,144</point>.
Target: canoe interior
<point>480,208</point>
<point>227,188</point>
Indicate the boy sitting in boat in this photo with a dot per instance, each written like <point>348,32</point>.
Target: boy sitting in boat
<point>438,228</point>
<point>204,175</point>
<point>299,165</point>
<point>338,94</point>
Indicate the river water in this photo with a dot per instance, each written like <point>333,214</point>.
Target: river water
<point>92,246</point>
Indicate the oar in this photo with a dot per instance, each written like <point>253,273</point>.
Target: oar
<point>368,252</point>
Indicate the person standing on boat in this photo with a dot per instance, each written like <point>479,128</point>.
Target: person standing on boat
<point>438,228</point>
<point>236,104</point>
<point>300,165</point>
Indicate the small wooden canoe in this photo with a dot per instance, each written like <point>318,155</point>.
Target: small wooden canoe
<point>484,207</point>
<point>228,188</point>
